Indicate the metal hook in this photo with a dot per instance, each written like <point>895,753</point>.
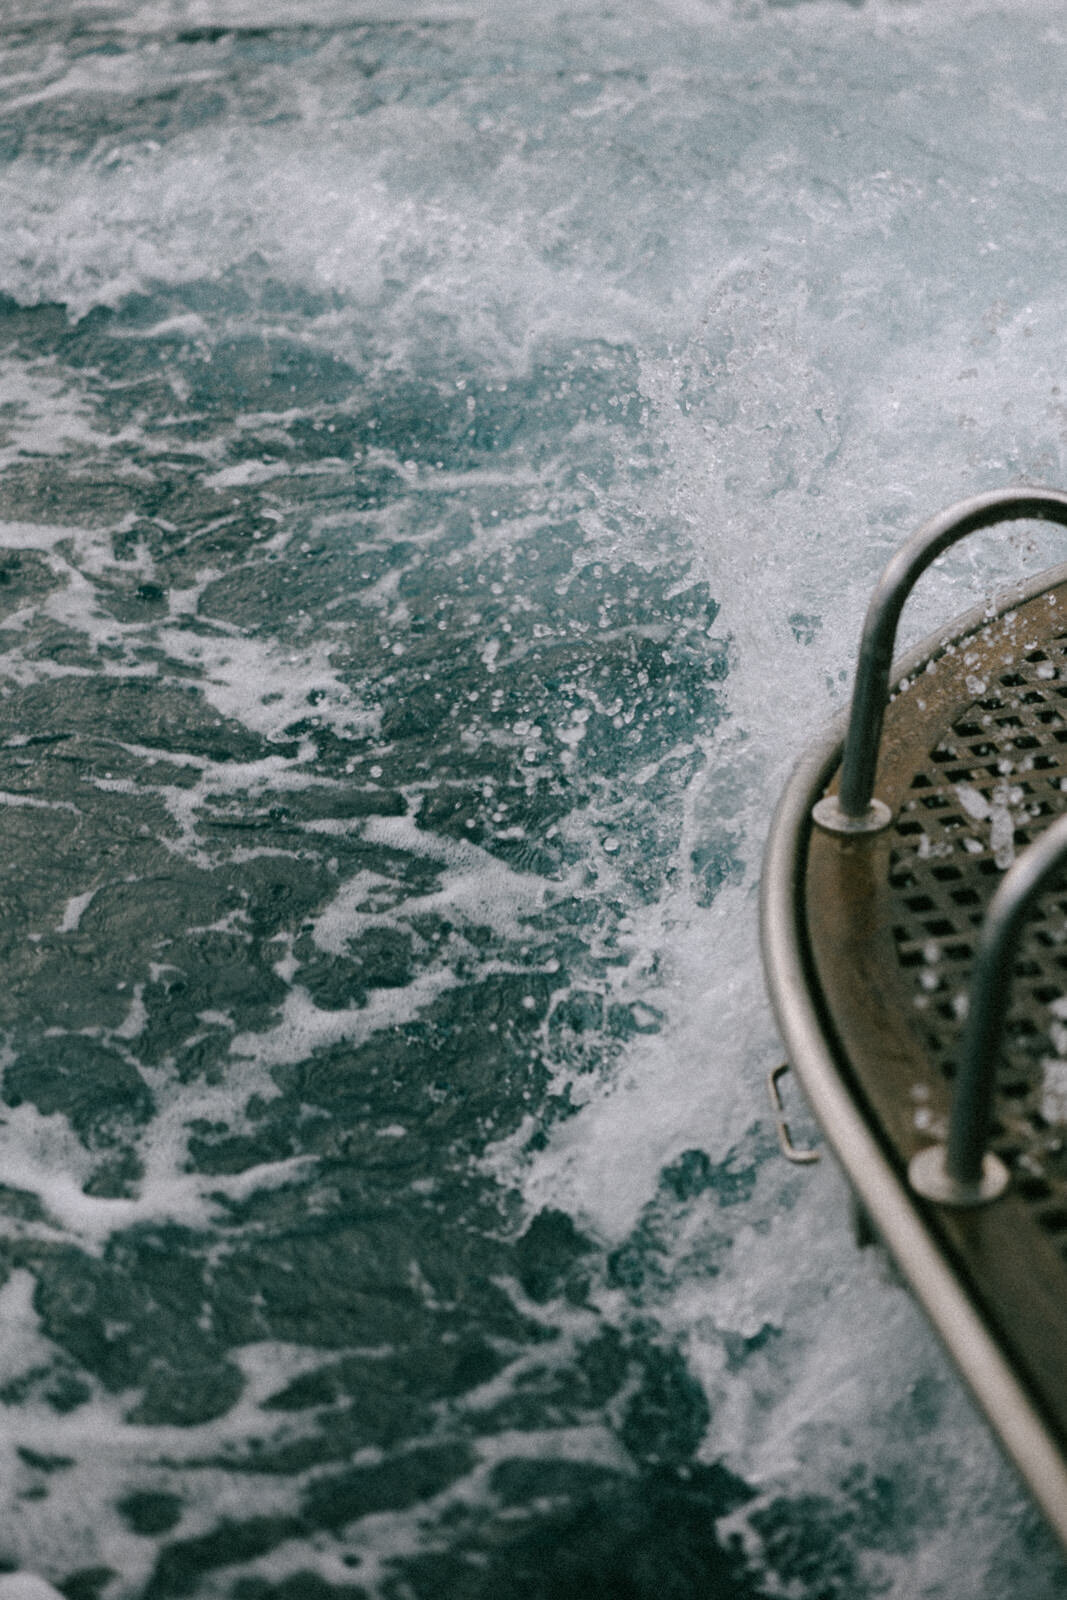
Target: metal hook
<point>800,1158</point>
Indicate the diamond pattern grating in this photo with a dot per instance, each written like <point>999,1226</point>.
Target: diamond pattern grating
<point>998,775</point>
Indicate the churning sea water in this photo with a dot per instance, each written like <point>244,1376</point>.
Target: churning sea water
<point>445,452</point>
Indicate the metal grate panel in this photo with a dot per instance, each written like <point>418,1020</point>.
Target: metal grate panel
<point>989,786</point>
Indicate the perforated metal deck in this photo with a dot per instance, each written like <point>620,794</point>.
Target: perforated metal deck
<point>1004,755</point>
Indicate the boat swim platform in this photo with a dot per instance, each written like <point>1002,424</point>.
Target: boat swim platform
<point>914,928</point>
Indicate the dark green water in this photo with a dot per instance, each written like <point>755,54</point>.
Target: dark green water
<point>392,893</point>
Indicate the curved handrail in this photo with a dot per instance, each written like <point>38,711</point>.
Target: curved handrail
<point>959,1164</point>
<point>854,809</point>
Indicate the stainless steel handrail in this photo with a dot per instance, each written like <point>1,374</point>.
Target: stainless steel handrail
<point>961,1172</point>
<point>854,809</point>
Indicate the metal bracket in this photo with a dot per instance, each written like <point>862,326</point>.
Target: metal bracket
<point>929,1176</point>
<point>827,814</point>
<point>800,1158</point>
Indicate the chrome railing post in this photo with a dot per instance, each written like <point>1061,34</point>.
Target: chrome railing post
<point>962,1172</point>
<point>854,809</point>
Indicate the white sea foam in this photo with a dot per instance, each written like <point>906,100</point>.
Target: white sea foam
<point>26,1586</point>
<point>40,1155</point>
